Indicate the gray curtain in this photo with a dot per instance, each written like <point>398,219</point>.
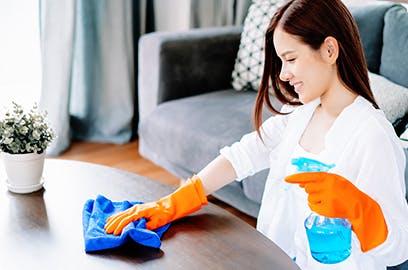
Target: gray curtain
<point>210,13</point>
<point>89,62</point>
<point>89,51</point>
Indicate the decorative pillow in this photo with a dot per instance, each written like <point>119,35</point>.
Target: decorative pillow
<point>248,67</point>
<point>394,60</point>
<point>391,97</point>
<point>370,21</point>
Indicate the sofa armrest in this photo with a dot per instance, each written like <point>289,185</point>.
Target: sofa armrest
<point>182,64</point>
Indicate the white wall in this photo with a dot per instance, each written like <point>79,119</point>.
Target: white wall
<point>20,68</point>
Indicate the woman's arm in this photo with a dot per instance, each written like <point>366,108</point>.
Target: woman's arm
<point>243,158</point>
<point>217,174</point>
<point>187,199</point>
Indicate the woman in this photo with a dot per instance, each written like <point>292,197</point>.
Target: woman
<point>315,65</point>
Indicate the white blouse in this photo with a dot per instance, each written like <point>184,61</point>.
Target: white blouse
<point>363,146</point>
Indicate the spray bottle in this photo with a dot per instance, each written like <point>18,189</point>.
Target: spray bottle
<point>329,238</point>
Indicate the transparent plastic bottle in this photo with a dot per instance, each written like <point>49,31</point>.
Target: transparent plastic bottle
<point>329,238</point>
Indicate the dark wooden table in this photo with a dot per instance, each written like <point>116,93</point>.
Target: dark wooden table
<point>43,230</point>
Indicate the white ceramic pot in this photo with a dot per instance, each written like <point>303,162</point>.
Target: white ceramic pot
<point>24,171</point>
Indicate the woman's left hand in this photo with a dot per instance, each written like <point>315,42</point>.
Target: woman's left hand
<point>332,195</point>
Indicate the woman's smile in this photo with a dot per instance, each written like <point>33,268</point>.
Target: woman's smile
<point>297,86</point>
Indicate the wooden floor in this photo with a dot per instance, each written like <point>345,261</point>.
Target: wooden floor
<point>127,157</point>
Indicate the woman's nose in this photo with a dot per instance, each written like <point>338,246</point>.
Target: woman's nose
<point>284,75</point>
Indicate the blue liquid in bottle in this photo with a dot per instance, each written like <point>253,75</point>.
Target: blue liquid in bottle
<point>329,238</point>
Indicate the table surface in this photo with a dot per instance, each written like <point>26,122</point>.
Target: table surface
<point>43,230</point>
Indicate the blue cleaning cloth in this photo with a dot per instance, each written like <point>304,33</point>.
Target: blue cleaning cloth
<point>94,217</point>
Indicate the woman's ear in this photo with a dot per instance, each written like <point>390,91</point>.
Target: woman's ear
<point>330,49</point>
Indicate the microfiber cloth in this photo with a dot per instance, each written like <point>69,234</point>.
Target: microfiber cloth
<point>94,217</point>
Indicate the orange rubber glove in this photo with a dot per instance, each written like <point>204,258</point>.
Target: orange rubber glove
<point>185,200</point>
<point>331,195</point>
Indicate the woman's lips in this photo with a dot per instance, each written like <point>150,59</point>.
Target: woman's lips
<point>297,86</point>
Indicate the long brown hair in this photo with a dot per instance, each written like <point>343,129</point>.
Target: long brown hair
<point>312,21</point>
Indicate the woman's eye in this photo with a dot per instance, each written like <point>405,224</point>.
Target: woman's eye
<point>291,60</point>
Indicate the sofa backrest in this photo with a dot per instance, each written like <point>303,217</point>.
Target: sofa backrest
<point>384,33</point>
<point>394,56</point>
<point>370,23</point>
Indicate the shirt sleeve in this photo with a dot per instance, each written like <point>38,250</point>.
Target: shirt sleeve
<point>381,176</point>
<point>251,154</point>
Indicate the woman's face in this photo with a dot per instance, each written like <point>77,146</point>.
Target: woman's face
<point>307,70</point>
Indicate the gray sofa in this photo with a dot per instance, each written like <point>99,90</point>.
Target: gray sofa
<point>189,111</point>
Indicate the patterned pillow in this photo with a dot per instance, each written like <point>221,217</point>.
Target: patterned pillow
<point>248,67</point>
<point>392,98</point>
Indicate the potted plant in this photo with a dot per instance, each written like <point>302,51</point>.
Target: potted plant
<point>24,137</point>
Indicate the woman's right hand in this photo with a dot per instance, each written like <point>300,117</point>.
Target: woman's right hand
<point>185,200</point>
<point>150,211</point>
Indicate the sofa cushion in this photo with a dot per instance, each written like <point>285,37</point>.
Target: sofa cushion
<point>391,98</point>
<point>249,62</point>
<point>370,23</point>
<point>188,141</point>
<point>182,131</point>
<point>394,60</point>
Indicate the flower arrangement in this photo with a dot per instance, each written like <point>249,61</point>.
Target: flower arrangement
<point>25,132</point>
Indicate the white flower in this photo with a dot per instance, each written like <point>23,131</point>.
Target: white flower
<point>22,132</point>
<point>8,140</point>
<point>36,134</point>
<point>28,147</point>
<point>7,132</point>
